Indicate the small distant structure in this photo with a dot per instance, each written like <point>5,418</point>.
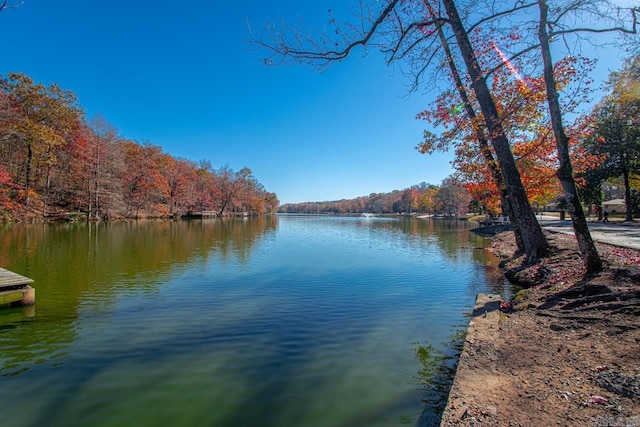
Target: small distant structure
<point>15,289</point>
<point>615,206</point>
<point>200,215</point>
<point>368,215</point>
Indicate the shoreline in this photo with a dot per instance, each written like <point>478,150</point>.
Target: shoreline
<point>472,377</point>
<point>564,351</point>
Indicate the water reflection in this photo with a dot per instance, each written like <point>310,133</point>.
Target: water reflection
<point>297,321</point>
<point>86,267</point>
<point>451,237</point>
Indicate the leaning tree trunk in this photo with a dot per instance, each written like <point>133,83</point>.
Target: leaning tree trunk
<point>494,168</point>
<point>587,248</point>
<point>535,243</point>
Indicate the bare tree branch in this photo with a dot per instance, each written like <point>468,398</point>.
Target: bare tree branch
<point>499,14</point>
<point>281,48</point>
<point>513,58</point>
<point>5,5</point>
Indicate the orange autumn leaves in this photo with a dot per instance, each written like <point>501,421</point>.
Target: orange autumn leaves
<point>521,104</point>
<point>53,165</point>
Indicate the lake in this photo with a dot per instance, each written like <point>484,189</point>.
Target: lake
<point>277,321</point>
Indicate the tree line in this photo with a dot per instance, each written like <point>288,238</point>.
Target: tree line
<point>55,164</point>
<point>464,45</point>
<point>450,199</point>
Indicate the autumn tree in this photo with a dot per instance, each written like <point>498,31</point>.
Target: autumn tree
<point>427,200</point>
<point>522,106</point>
<point>203,197</point>
<point>571,24</point>
<point>616,129</point>
<point>231,187</point>
<point>452,198</point>
<point>47,115</point>
<point>271,202</point>
<point>375,203</point>
<point>476,189</point>
<point>534,242</point>
<point>586,245</point>
<point>407,202</point>
<point>142,183</point>
<point>5,193</point>
<point>9,115</point>
<point>50,155</point>
<point>71,173</point>
<point>398,29</point>
<point>104,165</point>
<point>181,178</point>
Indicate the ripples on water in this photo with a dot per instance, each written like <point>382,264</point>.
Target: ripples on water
<point>303,321</point>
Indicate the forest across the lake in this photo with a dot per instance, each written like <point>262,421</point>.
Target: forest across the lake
<point>56,164</point>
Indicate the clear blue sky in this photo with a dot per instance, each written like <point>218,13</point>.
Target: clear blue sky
<point>182,76</point>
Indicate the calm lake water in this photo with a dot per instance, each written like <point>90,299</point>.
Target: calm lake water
<point>283,321</point>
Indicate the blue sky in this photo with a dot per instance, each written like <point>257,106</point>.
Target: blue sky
<point>182,76</point>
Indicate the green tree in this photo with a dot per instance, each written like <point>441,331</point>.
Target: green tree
<point>617,128</point>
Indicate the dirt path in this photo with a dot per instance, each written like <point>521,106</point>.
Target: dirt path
<point>565,352</point>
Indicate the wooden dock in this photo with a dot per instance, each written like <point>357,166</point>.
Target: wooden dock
<point>15,289</point>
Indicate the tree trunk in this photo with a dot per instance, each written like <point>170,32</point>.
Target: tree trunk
<point>90,200</point>
<point>224,206</point>
<point>96,178</point>
<point>496,174</point>
<point>47,189</point>
<point>627,190</point>
<point>27,179</point>
<point>587,248</point>
<point>96,205</point>
<point>534,241</point>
